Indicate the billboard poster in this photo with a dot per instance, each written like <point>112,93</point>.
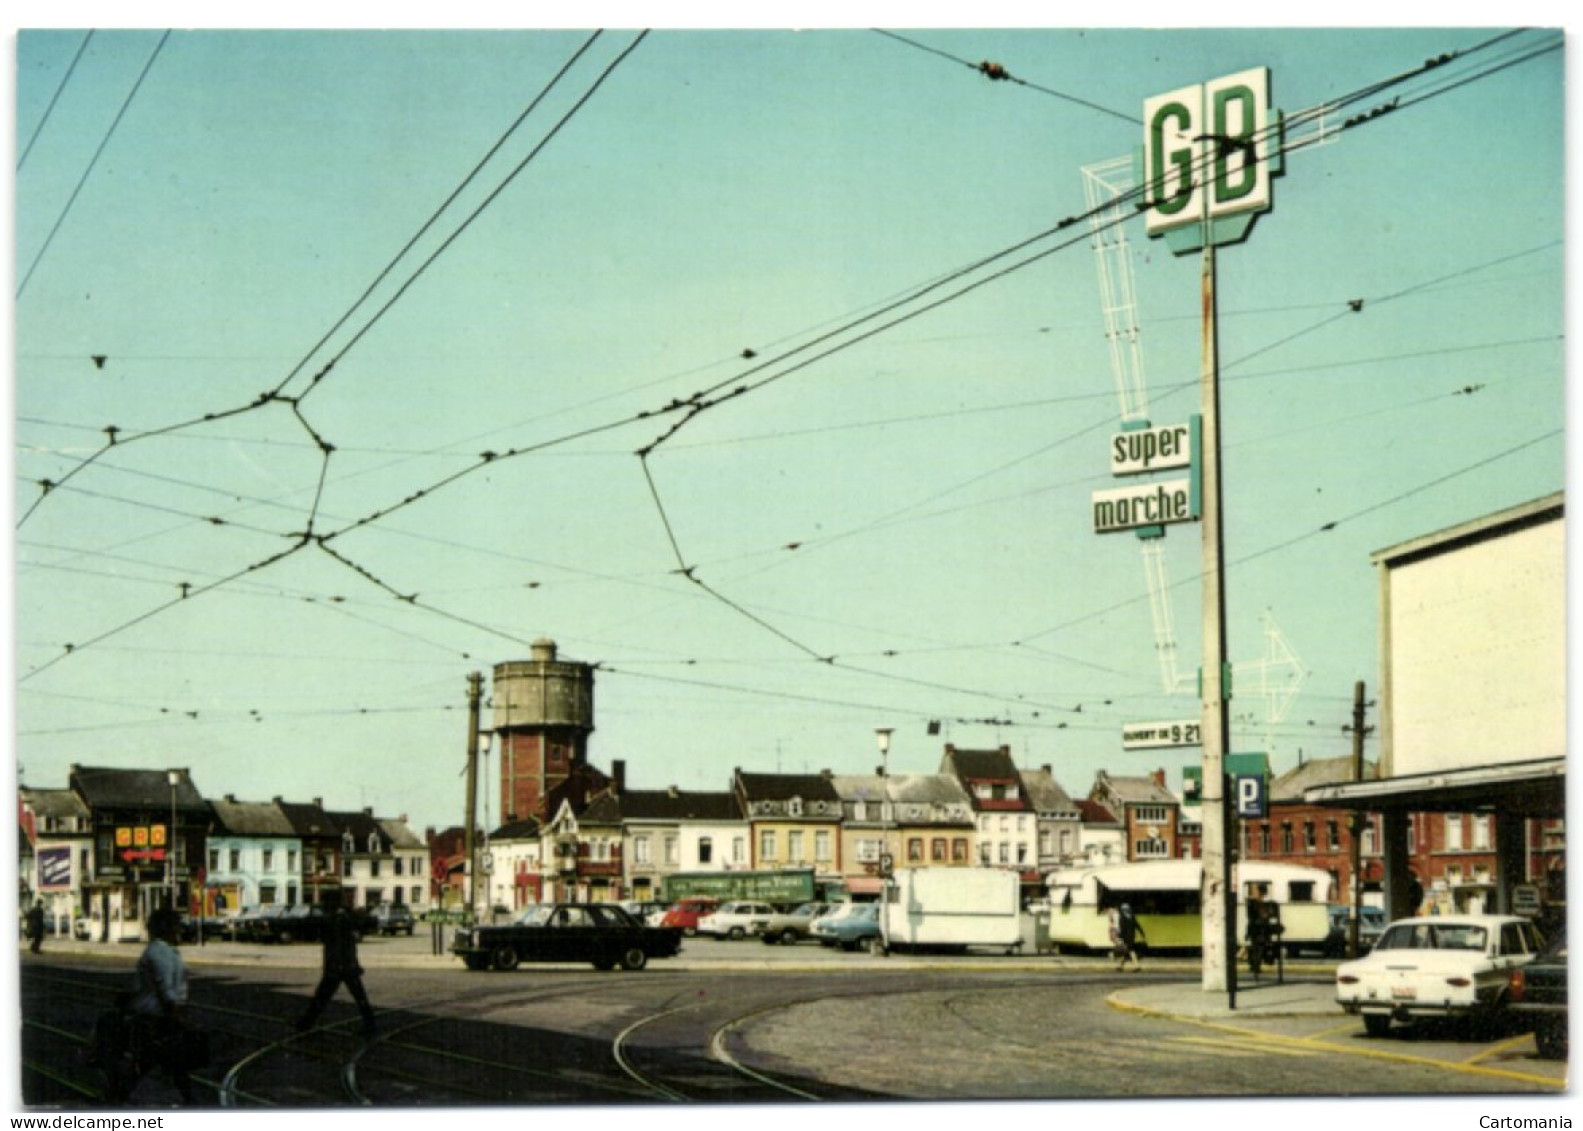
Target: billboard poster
<point>54,868</point>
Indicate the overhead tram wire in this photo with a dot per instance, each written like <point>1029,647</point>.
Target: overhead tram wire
<point>440,210</point>
<point>274,395</point>
<point>59,90</point>
<point>1000,74</point>
<point>694,403</point>
<point>697,403</point>
<point>700,405</point>
<point>94,161</point>
<point>467,222</point>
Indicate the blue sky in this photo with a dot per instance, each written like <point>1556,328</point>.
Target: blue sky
<point>721,193</point>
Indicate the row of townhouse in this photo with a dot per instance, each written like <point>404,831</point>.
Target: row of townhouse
<point>115,844</point>
<point>979,810</point>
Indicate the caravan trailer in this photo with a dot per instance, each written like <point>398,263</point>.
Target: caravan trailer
<point>1166,897</point>
<point>952,908</point>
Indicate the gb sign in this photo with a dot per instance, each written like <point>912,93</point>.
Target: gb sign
<point>1209,153</point>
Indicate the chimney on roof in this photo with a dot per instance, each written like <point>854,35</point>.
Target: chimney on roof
<point>618,771</point>
<point>231,797</point>
<point>543,650</point>
<point>1046,768</point>
<point>279,800</point>
<point>318,803</point>
<point>1159,778</point>
<point>674,792</point>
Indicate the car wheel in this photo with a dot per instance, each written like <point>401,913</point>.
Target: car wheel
<point>285,937</point>
<point>633,958</point>
<point>505,957</point>
<point>772,937</point>
<point>1377,1024</point>
<point>790,938</point>
<point>1552,1041</point>
<point>876,947</point>
<point>735,933</point>
<point>849,944</point>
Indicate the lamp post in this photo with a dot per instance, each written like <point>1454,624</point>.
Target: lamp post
<point>170,840</point>
<point>886,860</point>
<point>882,735</point>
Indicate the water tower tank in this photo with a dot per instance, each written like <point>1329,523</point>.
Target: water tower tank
<point>543,692</point>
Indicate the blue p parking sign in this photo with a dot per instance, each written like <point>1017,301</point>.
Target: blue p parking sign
<point>1250,795</point>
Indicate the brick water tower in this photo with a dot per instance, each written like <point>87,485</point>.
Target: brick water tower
<point>543,715</point>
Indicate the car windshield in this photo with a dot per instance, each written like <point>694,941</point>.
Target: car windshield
<point>1433,936</point>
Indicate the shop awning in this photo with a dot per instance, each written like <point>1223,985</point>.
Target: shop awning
<point>1526,789</point>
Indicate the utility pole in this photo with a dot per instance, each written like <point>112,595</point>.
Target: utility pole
<point>475,695</point>
<point>1219,895</point>
<point>1356,821</point>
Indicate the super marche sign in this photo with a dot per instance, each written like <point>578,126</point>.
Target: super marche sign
<point>1148,504</point>
<point>1152,449</point>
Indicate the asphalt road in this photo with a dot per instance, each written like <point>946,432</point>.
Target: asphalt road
<point>738,1023</point>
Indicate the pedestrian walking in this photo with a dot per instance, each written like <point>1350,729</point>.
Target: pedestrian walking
<point>155,1030</point>
<point>35,926</point>
<point>341,968</point>
<point>1125,933</point>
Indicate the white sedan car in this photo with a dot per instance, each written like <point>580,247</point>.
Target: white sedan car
<point>734,920</point>
<point>1436,966</point>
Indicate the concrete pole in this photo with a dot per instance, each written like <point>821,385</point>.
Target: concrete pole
<point>475,694</point>
<point>1354,909</point>
<point>1217,956</point>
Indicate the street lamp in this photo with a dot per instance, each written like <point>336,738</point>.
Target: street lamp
<point>886,860</point>
<point>882,735</point>
<point>170,840</point>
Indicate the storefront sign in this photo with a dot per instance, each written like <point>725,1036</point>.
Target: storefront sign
<point>1153,449</point>
<point>1149,504</point>
<point>1210,150</point>
<point>1159,736</point>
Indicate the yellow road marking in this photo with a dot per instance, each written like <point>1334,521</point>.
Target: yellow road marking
<point>1510,1042</point>
<point>1250,1047</point>
<point>1371,1053</point>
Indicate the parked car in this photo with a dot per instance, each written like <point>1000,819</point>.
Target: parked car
<point>644,910</point>
<point>685,913</point>
<point>211,927</point>
<point>299,922</point>
<point>246,925</point>
<point>733,920</point>
<point>1371,925</point>
<point>1436,966</point>
<point>600,933</point>
<point>393,919</point>
<point>850,926</point>
<point>790,926</point>
<point>1537,994</point>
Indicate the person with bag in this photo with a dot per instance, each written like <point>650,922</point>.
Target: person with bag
<point>155,1032</point>
<point>1125,931</point>
<point>340,968</point>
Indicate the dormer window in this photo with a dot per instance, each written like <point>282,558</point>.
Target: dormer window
<point>348,845</point>
<point>373,844</point>
<point>794,807</point>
